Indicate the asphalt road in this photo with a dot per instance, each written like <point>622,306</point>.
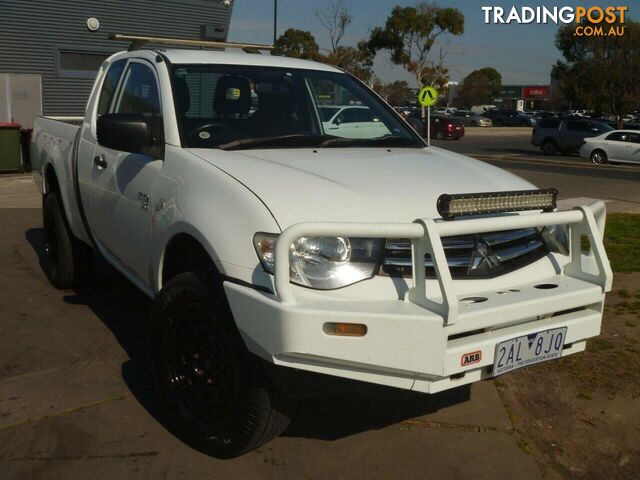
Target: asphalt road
<point>76,401</point>
<point>498,141</point>
<point>574,177</point>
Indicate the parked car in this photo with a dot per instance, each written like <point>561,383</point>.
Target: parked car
<point>555,135</point>
<point>470,119</point>
<point>509,118</point>
<point>352,122</point>
<point>445,110</point>
<point>209,180</point>
<point>481,109</point>
<point>618,146</point>
<point>545,114</point>
<point>442,126</point>
<point>581,113</point>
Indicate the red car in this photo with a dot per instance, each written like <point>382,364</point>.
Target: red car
<point>446,127</point>
<point>441,126</point>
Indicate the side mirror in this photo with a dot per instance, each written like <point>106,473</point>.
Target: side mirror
<point>126,132</point>
<point>337,121</point>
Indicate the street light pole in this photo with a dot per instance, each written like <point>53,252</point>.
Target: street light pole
<point>275,21</point>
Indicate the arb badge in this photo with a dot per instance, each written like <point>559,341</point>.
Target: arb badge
<point>471,358</point>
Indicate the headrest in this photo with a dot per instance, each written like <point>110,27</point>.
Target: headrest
<point>233,95</point>
<point>183,98</point>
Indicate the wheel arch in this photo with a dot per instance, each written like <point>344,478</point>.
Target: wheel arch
<point>185,251</point>
<point>50,182</point>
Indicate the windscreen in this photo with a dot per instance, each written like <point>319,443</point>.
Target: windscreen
<point>243,107</point>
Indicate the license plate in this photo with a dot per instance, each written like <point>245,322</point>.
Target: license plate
<point>529,349</point>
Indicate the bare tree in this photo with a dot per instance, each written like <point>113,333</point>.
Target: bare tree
<point>335,18</point>
<point>435,73</point>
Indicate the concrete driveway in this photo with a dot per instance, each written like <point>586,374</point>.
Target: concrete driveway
<point>76,401</point>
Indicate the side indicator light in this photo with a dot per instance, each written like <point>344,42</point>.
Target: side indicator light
<point>345,329</point>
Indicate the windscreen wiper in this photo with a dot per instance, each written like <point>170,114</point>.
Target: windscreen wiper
<point>386,141</point>
<point>297,139</point>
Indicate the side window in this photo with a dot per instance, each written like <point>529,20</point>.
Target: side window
<point>139,94</point>
<point>616,137</point>
<point>549,123</point>
<point>577,127</point>
<point>356,115</point>
<point>109,86</point>
<point>634,138</point>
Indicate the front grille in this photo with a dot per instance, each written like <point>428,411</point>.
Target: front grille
<point>509,251</point>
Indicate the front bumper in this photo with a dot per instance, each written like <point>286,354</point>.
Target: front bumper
<point>418,343</point>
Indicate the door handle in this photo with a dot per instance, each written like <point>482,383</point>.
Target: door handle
<point>99,161</point>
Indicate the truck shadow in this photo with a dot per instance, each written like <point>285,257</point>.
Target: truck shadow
<point>322,407</point>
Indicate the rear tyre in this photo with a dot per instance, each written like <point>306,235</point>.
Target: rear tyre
<point>549,147</point>
<point>439,135</point>
<point>216,395</point>
<point>67,259</point>
<point>598,157</point>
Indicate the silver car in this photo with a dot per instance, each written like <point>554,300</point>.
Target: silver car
<point>617,146</point>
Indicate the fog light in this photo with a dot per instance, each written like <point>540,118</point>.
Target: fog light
<point>345,329</point>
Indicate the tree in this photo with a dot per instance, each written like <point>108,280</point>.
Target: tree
<point>358,61</point>
<point>355,60</point>
<point>297,44</point>
<point>601,72</point>
<point>480,87</point>
<point>436,74</point>
<point>397,93</point>
<point>335,18</point>
<point>410,34</point>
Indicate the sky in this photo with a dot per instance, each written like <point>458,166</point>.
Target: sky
<point>523,54</point>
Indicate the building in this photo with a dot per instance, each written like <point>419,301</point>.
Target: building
<point>535,97</point>
<point>62,43</point>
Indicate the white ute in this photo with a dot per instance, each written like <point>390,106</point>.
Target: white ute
<point>212,182</point>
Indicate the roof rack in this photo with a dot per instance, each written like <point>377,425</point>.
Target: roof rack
<point>137,41</point>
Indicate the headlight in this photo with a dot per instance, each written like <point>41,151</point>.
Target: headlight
<point>323,263</point>
<point>557,238</point>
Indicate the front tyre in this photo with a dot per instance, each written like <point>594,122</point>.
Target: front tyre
<point>216,395</point>
<point>550,147</point>
<point>67,259</point>
<point>598,157</point>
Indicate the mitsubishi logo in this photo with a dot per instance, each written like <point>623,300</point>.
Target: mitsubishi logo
<point>483,260</point>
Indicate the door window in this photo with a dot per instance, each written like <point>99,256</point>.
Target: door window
<point>109,86</point>
<point>618,137</point>
<point>578,126</point>
<point>634,138</point>
<point>139,94</point>
<point>358,115</point>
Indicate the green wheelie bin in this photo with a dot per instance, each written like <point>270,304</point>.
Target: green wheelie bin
<point>10,153</point>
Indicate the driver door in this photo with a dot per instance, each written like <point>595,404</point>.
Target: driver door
<point>125,208</point>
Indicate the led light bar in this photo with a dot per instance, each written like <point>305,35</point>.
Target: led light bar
<point>451,206</point>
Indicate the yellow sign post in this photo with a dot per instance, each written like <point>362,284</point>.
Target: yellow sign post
<point>427,97</point>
